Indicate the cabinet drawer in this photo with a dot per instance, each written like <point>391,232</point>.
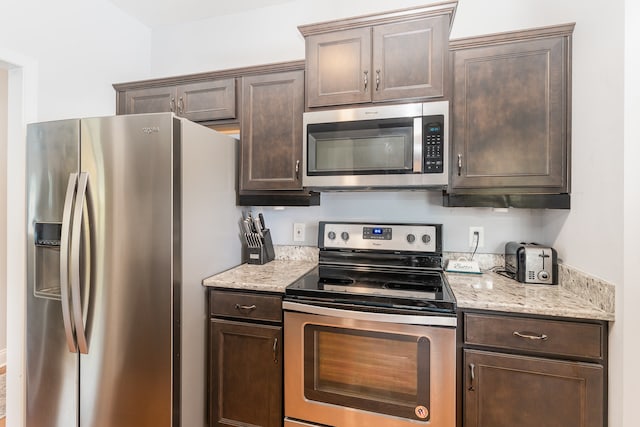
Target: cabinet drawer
<point>562,338</point>
<point>246,305</point>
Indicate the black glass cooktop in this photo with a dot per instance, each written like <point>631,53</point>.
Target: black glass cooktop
<point>375,288</point>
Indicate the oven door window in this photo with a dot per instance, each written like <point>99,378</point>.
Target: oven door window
<point>372,371</point>
<point>360,148</point>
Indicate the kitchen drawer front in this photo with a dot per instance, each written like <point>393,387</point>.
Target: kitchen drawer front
<point>242,305</point>
<point>561,338</point>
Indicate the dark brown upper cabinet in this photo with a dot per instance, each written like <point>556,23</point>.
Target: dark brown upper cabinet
<point>200,101</point>
<point>399,55</point>
<point>269,100</point>
<point>271,131</point>
<point>511,113</point>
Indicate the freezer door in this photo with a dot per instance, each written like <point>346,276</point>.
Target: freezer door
<point>126,377</point>
<point>51,369</point>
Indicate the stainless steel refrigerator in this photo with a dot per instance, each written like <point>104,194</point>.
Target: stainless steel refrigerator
<point>126,216</point>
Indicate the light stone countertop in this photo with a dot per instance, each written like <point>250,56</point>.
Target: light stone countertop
<point>273,276</point>
<point>491,291</point>
<point>488,291</point>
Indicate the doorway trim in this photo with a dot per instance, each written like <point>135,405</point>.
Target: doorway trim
<point>22,109</point>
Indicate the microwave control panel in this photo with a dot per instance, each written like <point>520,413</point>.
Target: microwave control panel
<point>433,144</point>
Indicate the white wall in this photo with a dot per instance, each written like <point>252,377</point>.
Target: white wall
<point>589,237</point>
<point>519,224</point>
<point>627,313</point>
<point>4,87</point>
<point>271,35</point>
<point>261,36</point>
<point>81,47</point>
<point>65,56</point>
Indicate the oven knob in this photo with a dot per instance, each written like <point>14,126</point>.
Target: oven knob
<point>331,235</point>
<point>411,238</point>
<point>426,238</point>
<point>344,235</point>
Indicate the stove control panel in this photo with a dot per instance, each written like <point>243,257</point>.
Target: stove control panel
<point>382,237</point>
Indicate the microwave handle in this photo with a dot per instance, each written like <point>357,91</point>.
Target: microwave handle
<point>417,145</point>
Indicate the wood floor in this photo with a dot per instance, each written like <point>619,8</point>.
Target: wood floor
<point>3,421</point>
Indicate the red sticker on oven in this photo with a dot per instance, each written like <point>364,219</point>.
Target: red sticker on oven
<point>422,412</point>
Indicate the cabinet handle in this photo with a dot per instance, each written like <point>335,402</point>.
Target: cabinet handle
<point>275,351</point>
<point>245,307</point>
<point>180,105</point>
<point>459,164</point>
<point>297,169</point>
<point>172,105</point>
<point>472,368</point>
<point>377,80</point>
<point>366,79</point>
<point>530,336</point>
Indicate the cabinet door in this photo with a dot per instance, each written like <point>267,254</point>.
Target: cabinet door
<point>245,374</point>
<point>510,115</point>
<point>338,67</point>
<point>271,131</point>
<point>152,100</point>
<point>409,59</point>
<point>205,101</point>
<point>502,390</point>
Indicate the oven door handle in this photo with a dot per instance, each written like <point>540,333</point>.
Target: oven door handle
<point>403,319</point>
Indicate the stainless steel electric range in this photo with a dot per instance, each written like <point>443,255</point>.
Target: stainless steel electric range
<point>370,333</point>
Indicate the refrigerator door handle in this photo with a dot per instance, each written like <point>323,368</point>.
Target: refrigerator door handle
<point>64,263</point>
<point>82,197</point>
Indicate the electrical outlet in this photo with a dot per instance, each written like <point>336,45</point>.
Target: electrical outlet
<point>472,237</point>
<point>298,232</point>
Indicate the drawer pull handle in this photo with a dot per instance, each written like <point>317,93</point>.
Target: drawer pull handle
<point>472,367</point>
<point>245,307</point>
<point>275,351</point>
<point>530,336</point>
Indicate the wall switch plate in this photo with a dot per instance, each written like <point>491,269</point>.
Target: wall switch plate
<point>298,232</point>
<point>472,237</point>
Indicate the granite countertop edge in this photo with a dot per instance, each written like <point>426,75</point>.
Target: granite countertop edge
<point>487,291</point>
<point>490,291</point>
<point>274,276</point>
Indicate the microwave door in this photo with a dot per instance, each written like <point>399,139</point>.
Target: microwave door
<point>370,148</point>
<point>361,148</point>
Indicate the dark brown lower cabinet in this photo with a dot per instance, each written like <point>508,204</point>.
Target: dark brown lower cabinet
<point>505,390</point>
<point>246,374</point>
<point>531,371</point>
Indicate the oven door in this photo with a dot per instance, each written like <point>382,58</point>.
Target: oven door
<point>350,368</point>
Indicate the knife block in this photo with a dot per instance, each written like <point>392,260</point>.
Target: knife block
<point>264,253</point>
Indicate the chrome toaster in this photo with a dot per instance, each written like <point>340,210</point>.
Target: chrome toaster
<point>531,263</point>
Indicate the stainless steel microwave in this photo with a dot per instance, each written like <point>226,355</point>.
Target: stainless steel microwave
<point>390,146</point>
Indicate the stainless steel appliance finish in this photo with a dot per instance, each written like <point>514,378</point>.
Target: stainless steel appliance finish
<point>531,263</point>
<point>390,146</point>
<point>370,333</point>
<point>399,237</point>
<point>332,405</point>
<point>122,213</point>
